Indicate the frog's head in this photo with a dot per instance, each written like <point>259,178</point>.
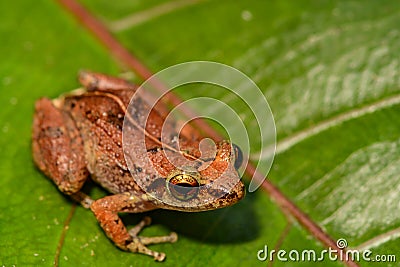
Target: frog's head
<point>209,184</point>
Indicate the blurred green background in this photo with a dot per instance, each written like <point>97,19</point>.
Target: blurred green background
<point>329,70</point>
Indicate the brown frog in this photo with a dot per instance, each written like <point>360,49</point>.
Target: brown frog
<point>79,135</point>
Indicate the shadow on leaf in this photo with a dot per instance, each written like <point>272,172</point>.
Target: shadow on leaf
<point>235,224</point>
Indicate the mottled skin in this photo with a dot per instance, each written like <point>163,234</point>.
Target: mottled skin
<point>80,134</point>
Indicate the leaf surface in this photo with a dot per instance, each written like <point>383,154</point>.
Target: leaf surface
<point>328,69</point>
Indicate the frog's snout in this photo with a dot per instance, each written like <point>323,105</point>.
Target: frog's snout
<point>238,192</point>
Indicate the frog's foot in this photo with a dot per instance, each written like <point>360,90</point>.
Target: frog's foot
<point>138,243</point>
<point>106,210</point>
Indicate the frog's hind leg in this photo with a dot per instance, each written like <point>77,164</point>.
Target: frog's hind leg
<point>106,211</point>
<point>58,148</point>
<point>97,81</point>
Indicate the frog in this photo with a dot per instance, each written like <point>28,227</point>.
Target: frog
<point>78,137</point>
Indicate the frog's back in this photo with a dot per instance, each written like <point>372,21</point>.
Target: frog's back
<point>99,117</point>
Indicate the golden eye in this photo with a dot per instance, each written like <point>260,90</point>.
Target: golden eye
<point>183,185</point>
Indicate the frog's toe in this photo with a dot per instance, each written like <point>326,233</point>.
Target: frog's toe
<point>139,243</point>
<point>171,238</point>
<point>174,237</point>
<point>136,229</point>
<point>159,256</point>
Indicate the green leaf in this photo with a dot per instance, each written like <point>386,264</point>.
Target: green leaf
<point>328,69</point>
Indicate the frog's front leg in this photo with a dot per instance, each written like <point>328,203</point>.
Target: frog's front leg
<point>106,211</point>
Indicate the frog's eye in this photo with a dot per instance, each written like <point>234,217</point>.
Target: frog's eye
<point>238,156</point>
<point>183,185</point>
